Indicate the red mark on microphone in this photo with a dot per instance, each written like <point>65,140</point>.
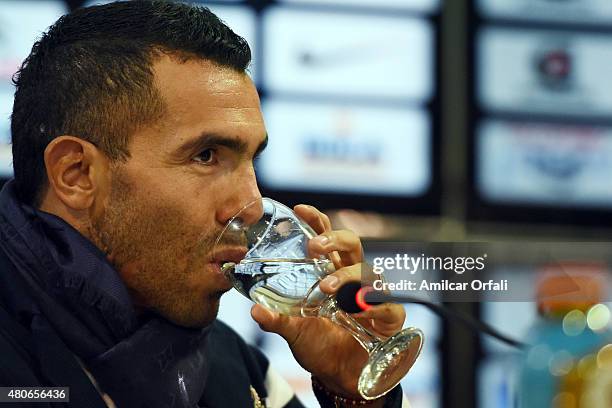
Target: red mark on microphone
<point>360,298</point>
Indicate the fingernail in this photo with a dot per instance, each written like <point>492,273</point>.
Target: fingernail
<point>322,239</point>
<point>332,281</point>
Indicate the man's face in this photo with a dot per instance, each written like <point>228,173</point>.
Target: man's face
<point>186,177</point>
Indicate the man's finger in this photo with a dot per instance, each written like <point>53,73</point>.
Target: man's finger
<point>275,323</point>
<point>336,280</point>
<point>381,329</point>
<point>386,313</point>
<point>346,243</point>
<point>320,223</point>
<point>313,217</point>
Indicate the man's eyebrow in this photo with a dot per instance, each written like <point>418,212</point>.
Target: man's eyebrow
<point>208,140</point>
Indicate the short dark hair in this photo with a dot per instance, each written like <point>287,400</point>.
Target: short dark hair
<point>90,76</point>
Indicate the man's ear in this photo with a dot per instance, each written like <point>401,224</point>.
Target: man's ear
<point>76,170</point>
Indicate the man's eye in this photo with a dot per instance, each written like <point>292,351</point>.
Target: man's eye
<point>207,156</point>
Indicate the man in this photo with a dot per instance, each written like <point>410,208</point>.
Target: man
<point>134,131</point>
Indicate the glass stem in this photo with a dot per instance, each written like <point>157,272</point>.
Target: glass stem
<point>366,338</point>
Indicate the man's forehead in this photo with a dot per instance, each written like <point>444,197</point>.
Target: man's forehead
<point>198,78</point>
<point>202,98</point>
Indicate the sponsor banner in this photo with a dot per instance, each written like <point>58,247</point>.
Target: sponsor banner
<point>346,149</point>
<point>548,164</point>
<point>426,6</point>
<point>543,71</point>
<point>565,11</point>
<point>321,53</point>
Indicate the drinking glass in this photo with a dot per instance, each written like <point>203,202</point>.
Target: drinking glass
<point>267,260</point>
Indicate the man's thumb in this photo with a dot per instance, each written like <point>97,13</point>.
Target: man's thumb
<point>272,322</point>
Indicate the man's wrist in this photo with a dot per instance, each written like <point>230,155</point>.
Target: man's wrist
<point>328,398</point>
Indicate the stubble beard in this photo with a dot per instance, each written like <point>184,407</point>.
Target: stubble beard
<point>156,256</point>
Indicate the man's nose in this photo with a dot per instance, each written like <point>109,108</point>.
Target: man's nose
<point>252,212</point>
<point>245,201</point>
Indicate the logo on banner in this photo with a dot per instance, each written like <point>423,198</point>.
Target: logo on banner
<point>554,68</point>
<point>342,146</point>
<point>559,152</point>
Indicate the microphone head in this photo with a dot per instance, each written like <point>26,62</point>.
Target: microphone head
<point>351,298</point>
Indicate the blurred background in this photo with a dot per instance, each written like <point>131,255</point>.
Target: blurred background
<point>419,120</point>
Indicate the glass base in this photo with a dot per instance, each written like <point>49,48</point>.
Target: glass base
<point>389,362</point>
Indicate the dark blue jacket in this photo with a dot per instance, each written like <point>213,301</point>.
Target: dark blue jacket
<point>32,353</point>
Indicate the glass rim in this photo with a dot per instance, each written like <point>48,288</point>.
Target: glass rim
<point>263,200</point>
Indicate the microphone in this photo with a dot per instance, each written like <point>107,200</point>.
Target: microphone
<point>351,298</point>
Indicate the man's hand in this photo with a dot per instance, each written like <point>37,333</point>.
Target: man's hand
<point>322,347</point>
